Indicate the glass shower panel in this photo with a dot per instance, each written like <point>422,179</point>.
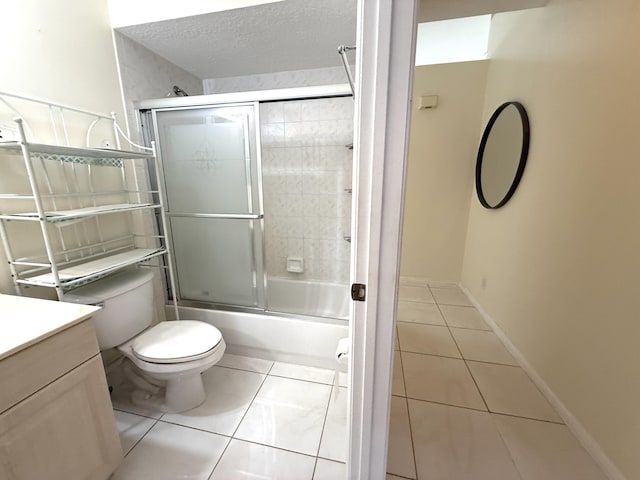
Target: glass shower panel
<point>215,260</point>
<point>207,159</point>
<point>210,169</point>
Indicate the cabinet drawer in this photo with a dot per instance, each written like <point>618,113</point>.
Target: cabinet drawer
<point>66,431</point>
<point>29,370</point>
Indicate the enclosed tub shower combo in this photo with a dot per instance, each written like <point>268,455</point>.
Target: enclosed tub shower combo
<point>258,189</point>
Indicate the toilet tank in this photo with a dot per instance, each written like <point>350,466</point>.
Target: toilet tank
<point>127,300</point>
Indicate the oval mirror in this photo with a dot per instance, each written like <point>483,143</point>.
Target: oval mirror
<point>502,154</point>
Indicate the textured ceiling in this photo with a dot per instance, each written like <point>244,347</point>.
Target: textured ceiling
<point>289,35</point>
<point>282,36</point>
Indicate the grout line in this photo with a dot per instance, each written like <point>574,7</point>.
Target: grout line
<point>143,435</point>
<point>465,363</point>
<point>120,409</point>
<point>233,435</point>
<point>506,446</point>
<point>324,423</point>
<point>413,444</point>
<point>511,415</point>
<point>224,450</point>
<point>168,422</point>
<point>302,379</point>
<point>279,448</point>
<point>447,404</point>
<point>242,369</point>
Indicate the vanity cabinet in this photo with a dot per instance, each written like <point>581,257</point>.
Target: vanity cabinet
<point>56,420</point>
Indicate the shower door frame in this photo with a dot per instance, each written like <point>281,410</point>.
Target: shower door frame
<point>150,107</point>
<point>256,218</point>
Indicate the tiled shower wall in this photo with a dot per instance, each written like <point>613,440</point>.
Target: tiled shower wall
<point>306,174</point>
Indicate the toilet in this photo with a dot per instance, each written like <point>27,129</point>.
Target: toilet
<point>164,362</point>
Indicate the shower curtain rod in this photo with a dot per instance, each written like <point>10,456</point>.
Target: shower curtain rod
<point>342,51</point>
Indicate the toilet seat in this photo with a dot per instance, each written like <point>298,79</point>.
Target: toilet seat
<point>176,342</point>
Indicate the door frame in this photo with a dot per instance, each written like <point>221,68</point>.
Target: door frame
<point>385,64</point>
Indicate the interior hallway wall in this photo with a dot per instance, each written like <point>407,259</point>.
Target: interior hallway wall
<point>442,152</point>
<point>59,51</point>
<point>557,267</point>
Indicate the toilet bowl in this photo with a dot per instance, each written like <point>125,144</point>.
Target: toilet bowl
<point>175,353</point>
<point>165,361</point>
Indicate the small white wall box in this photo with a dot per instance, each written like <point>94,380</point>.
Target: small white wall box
<point>428,101</point>
<point>295,264</point>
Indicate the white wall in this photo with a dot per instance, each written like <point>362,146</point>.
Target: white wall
<point>61,51</point>
<point>558,266</point>
<point>442,152</point>
<point>268,81</point>
<point>146,75</point>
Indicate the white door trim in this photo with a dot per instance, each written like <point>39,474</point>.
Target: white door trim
<point>385,63</point>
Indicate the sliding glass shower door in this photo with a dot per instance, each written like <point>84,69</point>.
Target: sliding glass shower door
<point>210,169</point>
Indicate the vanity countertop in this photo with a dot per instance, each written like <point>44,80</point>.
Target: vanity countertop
<point>25,321</point>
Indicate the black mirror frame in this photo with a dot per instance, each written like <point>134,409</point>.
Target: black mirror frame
<point>523,153</point>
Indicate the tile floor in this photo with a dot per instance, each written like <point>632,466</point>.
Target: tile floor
<point>261,420</point>
<point>462,408</point>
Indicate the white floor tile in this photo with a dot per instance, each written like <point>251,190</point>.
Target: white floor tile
<point>509,390</point>
<point>288,414</point>
<point>334,444</point>
<point>170,451</point>
<point>132,428</point>
<point>415,293</point>
<point>482,346</point>
<point>397,387</point>
<point>419,312</point>
<point>430,339</point>
<point>229,394</point>
<point>458,443</point>
<point>400,455</point>
<point>463,317</point>
<point>329,470</point>
<point>450,296</point>
<point>301,372</point>
<point>245,363</point>
<point>440,379</point>
<point>546,451</point>
<point>343,379</point>
<point>249,461</point>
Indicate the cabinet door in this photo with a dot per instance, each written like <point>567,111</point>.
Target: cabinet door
<point>65,431</point>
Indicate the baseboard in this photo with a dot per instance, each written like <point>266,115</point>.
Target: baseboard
<point>585,439</point>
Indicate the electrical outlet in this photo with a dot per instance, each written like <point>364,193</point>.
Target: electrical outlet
<point>7,134</point>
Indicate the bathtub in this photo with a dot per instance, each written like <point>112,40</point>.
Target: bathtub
<point>305,340</point>
<point>319,299</point>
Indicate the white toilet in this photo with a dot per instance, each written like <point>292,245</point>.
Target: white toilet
<point>168,357</point>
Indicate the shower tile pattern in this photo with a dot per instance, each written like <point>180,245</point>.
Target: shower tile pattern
<point>306,174</point>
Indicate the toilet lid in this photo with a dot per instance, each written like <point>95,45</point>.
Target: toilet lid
<point>176,341</point>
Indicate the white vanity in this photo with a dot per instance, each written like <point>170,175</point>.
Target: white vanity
<point>56,419</point>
